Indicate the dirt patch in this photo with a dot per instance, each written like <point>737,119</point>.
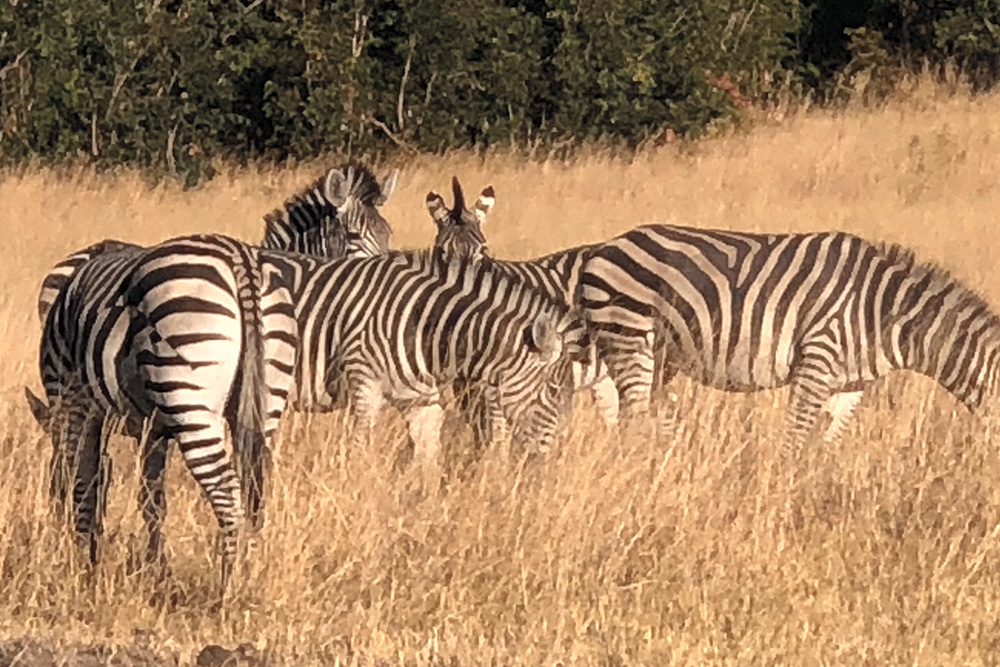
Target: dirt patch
<point>39,653</point>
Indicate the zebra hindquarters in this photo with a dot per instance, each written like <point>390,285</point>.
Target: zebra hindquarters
<point>188,353</point>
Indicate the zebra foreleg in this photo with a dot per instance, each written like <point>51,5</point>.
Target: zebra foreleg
<point>841,407</point>
<point>424,422</point>
<point>367,399</point>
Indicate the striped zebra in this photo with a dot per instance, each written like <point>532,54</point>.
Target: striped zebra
<point>459,234</point>
<point>336,215</point>
<point>352,189</point>
<point>183,334</point>
<point>826,313</point>
<point>400,327</point>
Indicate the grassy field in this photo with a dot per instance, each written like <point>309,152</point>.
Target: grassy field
<point>605,553</point>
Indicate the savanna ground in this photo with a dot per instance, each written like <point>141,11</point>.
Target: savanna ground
<point>606,552</point>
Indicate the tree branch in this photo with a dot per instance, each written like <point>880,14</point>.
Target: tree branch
<point>11,65</point>
<point>402,82</point>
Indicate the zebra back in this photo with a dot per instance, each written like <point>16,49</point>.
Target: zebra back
<point>335,216</point>
<point>60,274</point>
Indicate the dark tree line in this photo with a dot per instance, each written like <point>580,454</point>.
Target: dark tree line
<point>166,85</point>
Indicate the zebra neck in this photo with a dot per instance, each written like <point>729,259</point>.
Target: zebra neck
<point>953,340</point>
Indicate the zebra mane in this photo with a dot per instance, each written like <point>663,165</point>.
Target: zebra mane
<point>933,272</point>
<point>363,185</point>
<point>936,276</point>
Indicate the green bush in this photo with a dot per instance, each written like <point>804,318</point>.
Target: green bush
<point>167,85</point>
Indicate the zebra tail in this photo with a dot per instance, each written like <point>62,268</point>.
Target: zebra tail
<point>253,457</point>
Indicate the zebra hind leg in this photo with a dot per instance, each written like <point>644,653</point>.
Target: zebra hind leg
<point>810,391</point>
<point>152,499</point>
<point>89,485</point>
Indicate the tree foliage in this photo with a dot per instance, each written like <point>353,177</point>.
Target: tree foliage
<point>166,85</point>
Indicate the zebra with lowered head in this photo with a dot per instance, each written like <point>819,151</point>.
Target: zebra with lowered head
<point>827,313</point>
<point>460,234</point>
<point>398,328</point>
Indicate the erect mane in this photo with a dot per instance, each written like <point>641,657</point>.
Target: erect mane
<point>936,276</point>
<point>363,185</point>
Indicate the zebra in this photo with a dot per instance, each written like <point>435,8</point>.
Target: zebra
<point>119,341</point>
<point>459,234</point>
<point>336,215</point>
<point>353,189</point>
<point>400,327</point>
<point>827,313</point>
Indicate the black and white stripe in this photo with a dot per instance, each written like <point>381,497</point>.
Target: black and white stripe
<point>181,333</point>
<point>460,234</point>
<point>399,327</point>
<point>335,216</point>
<point>826,313</point>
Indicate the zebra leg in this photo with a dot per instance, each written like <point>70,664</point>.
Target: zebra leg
<point>152,499</point>
<point>89,482</point>
<point>841,407</point>
<point>201,439</point>
<point>367,400</point>
<point>424,422</point>
<point>497,426</point>
<point>606,399</point>
<point>632,370</point>
<point>810,390</point>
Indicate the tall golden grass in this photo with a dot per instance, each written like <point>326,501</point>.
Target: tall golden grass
<point>605,552</point>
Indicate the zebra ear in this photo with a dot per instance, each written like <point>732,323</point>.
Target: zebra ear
<point>456,191</point>
<point>336,188</point>
<point>39,409</point>
<point>544,337</point>
<point>437,208</point>
<point>484,204</point>
<point>388,185</point>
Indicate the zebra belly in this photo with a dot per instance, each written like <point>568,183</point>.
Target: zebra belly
<point>746,366</point>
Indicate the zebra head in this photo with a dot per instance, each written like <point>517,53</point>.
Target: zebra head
<point>460,230</point>
<point>336,216</point>
<point>61,429</point>
<point>558,343</point>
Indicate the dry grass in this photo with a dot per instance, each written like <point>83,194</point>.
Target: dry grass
<point>605,553</point>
